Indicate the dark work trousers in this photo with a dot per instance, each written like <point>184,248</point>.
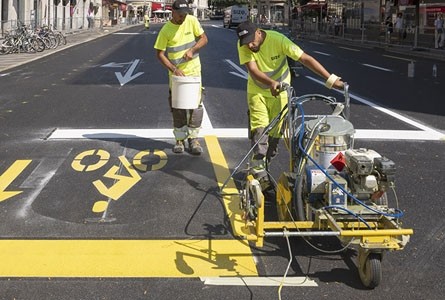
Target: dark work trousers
<point>186,122</point>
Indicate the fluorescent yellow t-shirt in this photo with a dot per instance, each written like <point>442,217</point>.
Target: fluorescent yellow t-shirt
<point>177,39</point>
<point>271,59</point>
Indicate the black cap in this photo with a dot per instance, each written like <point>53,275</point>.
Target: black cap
<point>181,6</point>
<point>246,32</point>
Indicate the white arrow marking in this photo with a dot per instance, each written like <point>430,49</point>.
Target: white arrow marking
<point>242,73</point>
<point>115,65</point>
<point>129,75</point>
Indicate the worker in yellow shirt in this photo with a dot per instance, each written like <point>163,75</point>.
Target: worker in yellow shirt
<point>146,20</point>
<point>178,44</point>
<point>265,53</point>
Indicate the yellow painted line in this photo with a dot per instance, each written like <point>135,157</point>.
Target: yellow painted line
<point>9,176</point>
<point>125,258</point>
<point>231,201</point>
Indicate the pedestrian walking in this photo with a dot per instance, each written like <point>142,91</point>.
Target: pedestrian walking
<point>265,53</point>
<point>398,26</point>
<point>439,31</point>
<point>146,20</point>
<point>177,48</point>
<point>90,17</point>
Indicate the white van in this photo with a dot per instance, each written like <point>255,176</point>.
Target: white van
<point>234,15</point>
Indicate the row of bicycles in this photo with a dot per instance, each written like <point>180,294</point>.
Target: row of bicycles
<point>24,39</point>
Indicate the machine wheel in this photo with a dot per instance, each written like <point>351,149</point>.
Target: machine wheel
<point>253,198</point>
<point>370,270</point>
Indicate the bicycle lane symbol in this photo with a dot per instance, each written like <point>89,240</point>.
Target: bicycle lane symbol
<point>95,159</point>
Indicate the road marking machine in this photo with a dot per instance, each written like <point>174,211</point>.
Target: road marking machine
<point>330,189</point>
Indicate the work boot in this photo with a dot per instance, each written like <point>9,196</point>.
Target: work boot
<point>194,146</point>
<point>178,147</point>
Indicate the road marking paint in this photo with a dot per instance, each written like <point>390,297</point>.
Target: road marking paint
<point>241,72</point>
<point>371,134</point>
<point>128,33</point>
<point>241,133</point>
<point>9,176</point>
<point>318,43</point>
<point>351,49</point>
<point>322,53</point>
<point>377,67</point>
<point>37,181</point>
<point>206,120</point>
<point>259,281</point>
<point>125,258</point>
<point>400,58</point>
<point>230,195</point>
<point>427,134</point>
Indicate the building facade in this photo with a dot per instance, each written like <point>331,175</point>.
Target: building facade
<point>66,15</point>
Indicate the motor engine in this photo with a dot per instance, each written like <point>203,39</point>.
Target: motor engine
<point>363,173</point>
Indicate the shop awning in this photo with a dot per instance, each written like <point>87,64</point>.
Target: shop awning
<point>114,3</point>
<point>156,6</point>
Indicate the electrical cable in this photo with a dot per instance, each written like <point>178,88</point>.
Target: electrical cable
<point>288,265</point>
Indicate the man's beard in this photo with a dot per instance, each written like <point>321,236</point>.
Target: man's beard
<point>255,49</point>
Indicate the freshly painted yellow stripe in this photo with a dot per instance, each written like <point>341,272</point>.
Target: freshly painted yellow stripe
<point>9,176</point>
<point>125,258</point>
<point>229,193</point>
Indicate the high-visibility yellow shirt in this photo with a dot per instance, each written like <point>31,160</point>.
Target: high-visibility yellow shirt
<point>177,39</point>
<point>271,60</point>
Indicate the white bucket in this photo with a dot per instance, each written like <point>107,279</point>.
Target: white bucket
<point>186,92</point>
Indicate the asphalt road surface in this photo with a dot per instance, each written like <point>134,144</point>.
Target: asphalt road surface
<point>94,205</point>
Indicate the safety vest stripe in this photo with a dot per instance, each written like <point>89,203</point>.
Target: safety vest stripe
<point>181,60</point>
<point>274,72</point>
<point>181,47</point>
<point>281,78</point>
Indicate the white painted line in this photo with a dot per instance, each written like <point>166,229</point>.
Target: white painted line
<point>351,49</point>
<point>318,43</point>
<point>205,119</point>
<point>400,58</point>
<point>141,133</point>
<point>386,111</point>
<point>259,281</point>
<point>127,33</point>
<point>240,133</point>
<point>322,53</point>
<point>377,67</point>
<point>242,73</point>
<point>394,135</point>
<point>37,181</point>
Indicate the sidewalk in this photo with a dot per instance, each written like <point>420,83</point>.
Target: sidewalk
<point>421,52</point>
<point>9,61</point>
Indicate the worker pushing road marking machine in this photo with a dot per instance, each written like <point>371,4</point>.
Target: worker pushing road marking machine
<point>331,189</point>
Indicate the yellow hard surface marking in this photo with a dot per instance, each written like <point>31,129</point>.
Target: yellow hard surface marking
<point>125,258</point>
<point>137,160</point>
<point>8,177</point>
<point>100,206</point>
<point>122,183</point>
<point>77,165</point>
<point>230,192</point>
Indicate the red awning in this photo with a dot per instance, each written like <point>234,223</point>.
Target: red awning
<point>156,6</point>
